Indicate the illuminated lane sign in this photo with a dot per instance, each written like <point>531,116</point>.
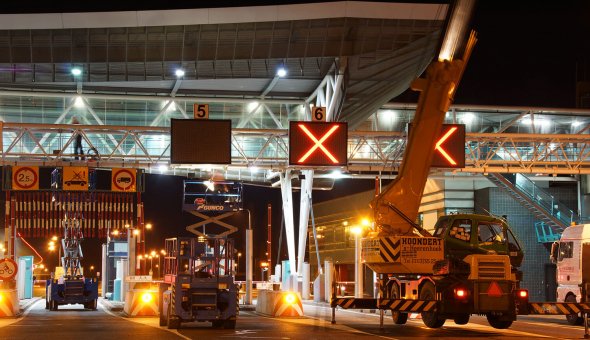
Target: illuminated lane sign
<point>449,150</point>
<point>318,143</point>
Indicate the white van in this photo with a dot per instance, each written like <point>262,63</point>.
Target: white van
<point>572,272</point>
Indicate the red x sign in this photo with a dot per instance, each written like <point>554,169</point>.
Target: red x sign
<point>449,150</point>
<point>318,143</point>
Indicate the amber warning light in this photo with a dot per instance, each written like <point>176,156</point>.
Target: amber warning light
<point>318,143</point>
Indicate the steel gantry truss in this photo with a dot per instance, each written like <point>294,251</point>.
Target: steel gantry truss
<point>368,151</point>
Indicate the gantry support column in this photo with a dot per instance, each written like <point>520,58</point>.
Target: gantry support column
<point>287,196</point>
<point>304,208</point>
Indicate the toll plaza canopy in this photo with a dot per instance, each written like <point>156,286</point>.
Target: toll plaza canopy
<point>227,53</point>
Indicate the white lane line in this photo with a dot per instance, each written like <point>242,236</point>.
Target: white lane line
<point>549,325</point>
<point>470,325</point>
<point>143,322</point>
<point>325,323</point>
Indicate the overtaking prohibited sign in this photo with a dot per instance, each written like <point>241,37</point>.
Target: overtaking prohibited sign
<point>123,180</point>
<point>25,178</point>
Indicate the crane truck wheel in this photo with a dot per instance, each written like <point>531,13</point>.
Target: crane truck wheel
<point>573,319</point>
<point>229,324</point>
<point>163,317</point>
<point>430,319</point>
<point>461,319</point>
<point>173,321</point>
<point>494,321</point>
<point>398,318</point>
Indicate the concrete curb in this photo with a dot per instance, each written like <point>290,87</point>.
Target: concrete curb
<point>249,308</point>
<point>27,303</point>
<point>112,305</point>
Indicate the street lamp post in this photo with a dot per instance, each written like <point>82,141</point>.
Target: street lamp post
<point>358,266</point>
<point>238,264</point>
<point>151,273</point>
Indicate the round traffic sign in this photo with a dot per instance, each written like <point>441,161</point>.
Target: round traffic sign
<point>124,180</point>
<point>25,178</point>
<point>8,269</point>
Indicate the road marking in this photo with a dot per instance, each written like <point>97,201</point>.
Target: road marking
<point>326,323</point>
<point>471,325</point>
<point>144,321</point>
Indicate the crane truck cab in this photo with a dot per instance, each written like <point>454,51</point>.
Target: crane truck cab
<point>573,273</point>
<point>466,234</point>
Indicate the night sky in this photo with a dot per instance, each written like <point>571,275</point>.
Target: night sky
<point>528,54</point>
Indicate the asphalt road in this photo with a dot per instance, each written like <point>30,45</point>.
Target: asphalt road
<point>73,322</point>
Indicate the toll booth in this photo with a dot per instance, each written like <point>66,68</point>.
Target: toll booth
<point>24,279</point>
<point>113,251</point>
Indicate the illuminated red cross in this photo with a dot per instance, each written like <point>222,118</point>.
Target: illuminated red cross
<point>441,141</point>
<point>318,143</point>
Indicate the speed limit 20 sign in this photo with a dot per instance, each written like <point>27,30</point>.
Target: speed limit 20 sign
<point>25,178</point>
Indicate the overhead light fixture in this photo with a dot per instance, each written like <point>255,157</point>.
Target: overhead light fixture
<point>576,123</point>
<point>163,168</point>
<point>179,73</point>
<point>79,102</point>
<point>76,71</point>
<point>335,174</point>
<point>281,72</point>
<point>171,107</point>
<point>468,118</point>
<point>253,169</point>
<point>252,106</point>
<point>209,184</point>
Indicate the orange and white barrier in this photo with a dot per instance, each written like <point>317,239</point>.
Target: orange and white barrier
<point>9,306</point>
<point>288,305</point>
<point>279,304</point>
<point>141,302</point>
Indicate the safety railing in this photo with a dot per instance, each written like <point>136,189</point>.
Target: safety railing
<point>545,200</point>
<point>546,234</point>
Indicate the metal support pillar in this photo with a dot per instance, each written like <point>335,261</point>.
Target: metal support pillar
<point>358,268</point>
<point>304,208</point>
<point>249,262</point>
<point>287,196</point>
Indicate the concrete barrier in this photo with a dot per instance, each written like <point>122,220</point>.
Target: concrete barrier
<point>141,302</point>
<point>9,305</point>
<point>279,304</point>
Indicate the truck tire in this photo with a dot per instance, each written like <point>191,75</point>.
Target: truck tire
<point>573,319</point>
<point>494,321</point>
<point>430,319</point>
<point>217,323</point>
<point>462,319</point>
<point>94,304</point>
<point>163,318</point>
<point>54,305</point>
<point>398,318</point>
<point>173,321</point>
<point>229,324</point>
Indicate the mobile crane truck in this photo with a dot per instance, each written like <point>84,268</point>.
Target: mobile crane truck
<point>71,287</point>
<point>198,283</point>
<point>469,266</point>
